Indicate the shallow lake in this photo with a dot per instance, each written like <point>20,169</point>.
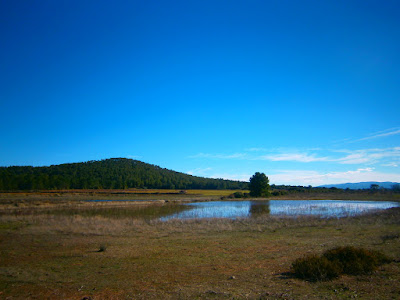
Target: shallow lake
<point>247,209</point>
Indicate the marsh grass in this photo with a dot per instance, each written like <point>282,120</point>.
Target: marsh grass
<point>118,212</point>
<point>123,220</point>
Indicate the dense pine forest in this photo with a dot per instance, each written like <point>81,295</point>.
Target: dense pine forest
<point>114,173</point>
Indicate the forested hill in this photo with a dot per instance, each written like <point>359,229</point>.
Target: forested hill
<point>114,173</point>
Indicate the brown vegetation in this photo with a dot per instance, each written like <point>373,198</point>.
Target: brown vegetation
<point>348,260</point>
<point>56,255</point>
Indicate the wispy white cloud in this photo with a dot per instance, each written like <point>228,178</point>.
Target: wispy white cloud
<point>199,171</point>
<point>220,156</point>
<point>359,156</point>
<point>388,132</point>
<point>369,156</point>
<point>210,173</point>
<point>299,157</point>
<point>255,149</point>
<point>392,164</point>
<point>375,135</point>
<point>315,178</point>
<point>240,177</point>
<point>362,156</point>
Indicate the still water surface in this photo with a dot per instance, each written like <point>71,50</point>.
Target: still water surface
<point>247,209</point>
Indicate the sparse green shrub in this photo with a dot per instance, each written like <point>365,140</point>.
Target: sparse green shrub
<point>315,268</point>
<point>356,261</point>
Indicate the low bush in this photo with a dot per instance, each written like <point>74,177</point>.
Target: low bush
<point>236,195</point>
<point>279,193</point>
<point>315,268</point>
<point>341,260</point>
<point>356,261</point>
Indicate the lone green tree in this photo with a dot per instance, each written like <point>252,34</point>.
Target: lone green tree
<point>259,185</point>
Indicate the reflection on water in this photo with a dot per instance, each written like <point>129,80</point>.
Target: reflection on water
<point>247,209</point>
<point>146,212</point>
<point>217,209</point>
<point>258,208</point>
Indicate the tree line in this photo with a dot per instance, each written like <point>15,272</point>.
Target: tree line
<point>114,173</point>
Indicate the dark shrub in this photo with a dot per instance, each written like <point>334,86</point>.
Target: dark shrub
<point>341,260</point>
<point>102,248</point>
<point>279,193</point>
<point>238,195</point>
<point>315,268</point>
<point>355,261</point>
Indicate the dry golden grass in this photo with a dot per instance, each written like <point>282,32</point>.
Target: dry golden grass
<point>56,256</point>
<point>114,193</point>
<point>68,198</point>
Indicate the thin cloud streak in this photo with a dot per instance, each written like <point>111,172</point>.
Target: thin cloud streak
<point>199,171</point>
<point>255,149</point>
<point>369,156</point>
<point>380,134</point>
<point>294,157</point>
<point>239,177</point>
<point>314,178</point>
<point>360,156</point>
<point>220,156</point>
<point>390,165</point>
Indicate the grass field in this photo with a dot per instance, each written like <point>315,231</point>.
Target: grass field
<point>53,254</point>
<point>128,192</point>
<point>67,197</point>
<point>71,197</point>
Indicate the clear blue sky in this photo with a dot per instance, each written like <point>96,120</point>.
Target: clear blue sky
<point>307,92</point>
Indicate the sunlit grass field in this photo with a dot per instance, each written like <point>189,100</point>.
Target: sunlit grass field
<point>57,196</point>
<point>129,191</point>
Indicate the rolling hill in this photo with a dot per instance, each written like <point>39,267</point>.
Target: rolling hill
<point>113,173</point>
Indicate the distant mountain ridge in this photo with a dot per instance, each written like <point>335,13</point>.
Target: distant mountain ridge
<point>360,185</point>
<point>113,173</point>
